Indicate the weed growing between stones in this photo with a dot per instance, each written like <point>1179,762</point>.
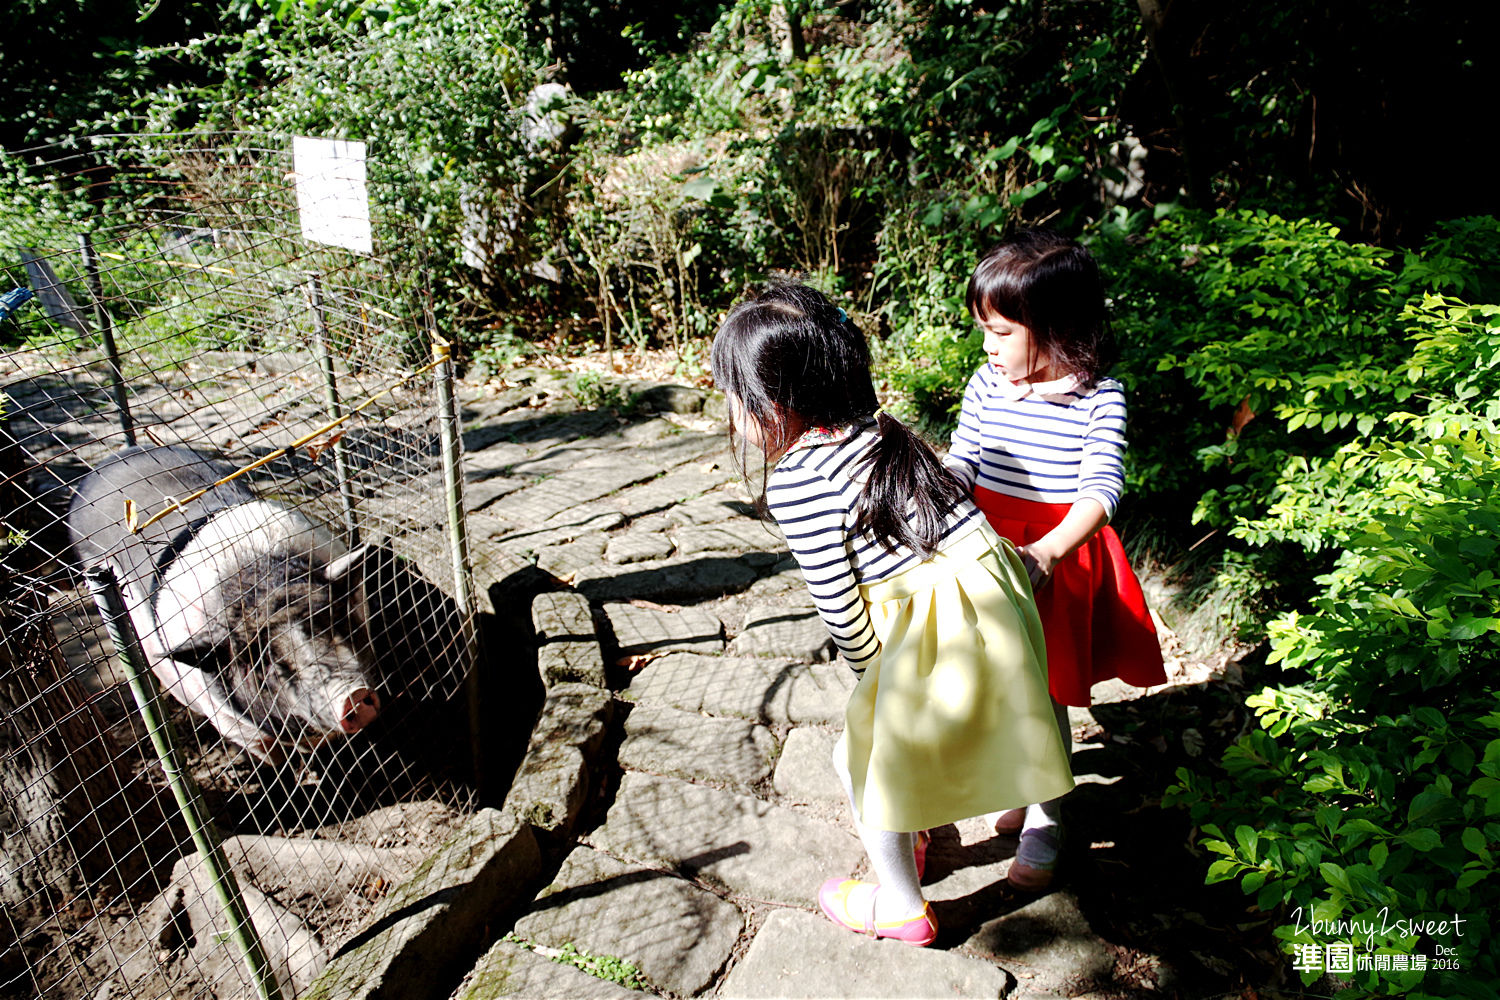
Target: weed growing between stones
<point>607,967</point>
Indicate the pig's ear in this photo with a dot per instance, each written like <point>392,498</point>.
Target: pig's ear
<point>206,648</point>
<point>344,564</point>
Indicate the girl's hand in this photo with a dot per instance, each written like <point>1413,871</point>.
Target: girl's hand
<point>1039,563</point>
<point>1041,557</point>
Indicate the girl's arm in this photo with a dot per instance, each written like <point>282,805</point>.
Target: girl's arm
<point>1101,477</point>
<point>964,447</point>
<point>814,516</point>
<point>1082,521</point>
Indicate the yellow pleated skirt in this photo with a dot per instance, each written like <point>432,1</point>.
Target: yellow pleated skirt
<point>952,718</point>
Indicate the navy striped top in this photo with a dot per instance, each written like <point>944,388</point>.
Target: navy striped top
<point>1048,442</point>
<point>812,493</point>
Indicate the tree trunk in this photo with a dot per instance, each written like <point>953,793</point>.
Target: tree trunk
<point>796,45</point>
<point>1164,55</point>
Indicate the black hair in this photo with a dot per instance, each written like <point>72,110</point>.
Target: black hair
<point>1049,284</point>
<point>789,352</point>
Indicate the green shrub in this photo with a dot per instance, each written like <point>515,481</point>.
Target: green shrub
<point>1371,794</point>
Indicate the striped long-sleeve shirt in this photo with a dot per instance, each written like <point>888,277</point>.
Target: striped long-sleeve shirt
<point>1049,442</point>
<point>812,493</point>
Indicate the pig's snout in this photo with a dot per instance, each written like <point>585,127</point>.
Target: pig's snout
<point>359,710</point>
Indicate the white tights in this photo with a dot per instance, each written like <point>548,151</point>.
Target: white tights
<point>891,857</point>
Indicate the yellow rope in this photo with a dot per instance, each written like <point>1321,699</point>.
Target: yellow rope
<point>441,351</point>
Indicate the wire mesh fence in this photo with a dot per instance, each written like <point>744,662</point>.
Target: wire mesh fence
<point>248,427</point>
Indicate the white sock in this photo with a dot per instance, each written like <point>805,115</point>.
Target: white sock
<point>1042,815</point>
<point>895,869</point>
<point>891,855</point>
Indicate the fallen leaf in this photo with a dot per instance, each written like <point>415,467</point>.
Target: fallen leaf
<point>636,662</point>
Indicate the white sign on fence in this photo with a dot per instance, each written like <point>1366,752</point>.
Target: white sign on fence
<point>331,196</point>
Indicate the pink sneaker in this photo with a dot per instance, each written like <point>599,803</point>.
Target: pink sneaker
<point>850,903</point>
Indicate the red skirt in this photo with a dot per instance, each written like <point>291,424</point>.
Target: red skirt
<point>1093,612</point>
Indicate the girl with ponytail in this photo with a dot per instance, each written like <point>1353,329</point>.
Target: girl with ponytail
<point>951,716</point>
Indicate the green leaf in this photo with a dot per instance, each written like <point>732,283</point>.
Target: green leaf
<point>702,188</point>
<point>1334,876</point>
<point>1474,840</point>
<point>1221,870</point>
<point>1247,839</point>
<point>1471,878</point>
<point>1425,839</point>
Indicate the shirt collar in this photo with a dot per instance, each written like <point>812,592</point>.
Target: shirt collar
<point>1056,390</point>
<point>814,436</point>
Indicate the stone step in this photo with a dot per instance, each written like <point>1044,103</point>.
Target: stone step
<point>804,772</point>
<point>678,744</point>
<point>639,631</point>
<point>747,846</point>
<point>788,630</point>
<point>511,970</point>
<point>773,692</point>
<point>676,933</point>
<point>798,954</point>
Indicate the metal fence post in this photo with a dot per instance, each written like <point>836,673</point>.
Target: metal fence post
<point>458,544</point>
<point>107,332</point>
<point>106,591</point>
<point>335,407</point>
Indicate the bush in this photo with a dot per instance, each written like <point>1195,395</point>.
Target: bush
<point>1371,795</point>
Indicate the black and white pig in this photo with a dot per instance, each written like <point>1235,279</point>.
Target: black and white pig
<point>245,607</point>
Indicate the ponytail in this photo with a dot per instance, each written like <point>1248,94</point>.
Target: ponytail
<point>908,496</point>
<point>789,350</point>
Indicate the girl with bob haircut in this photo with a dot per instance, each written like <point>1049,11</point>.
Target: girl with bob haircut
<point>1040,442</point>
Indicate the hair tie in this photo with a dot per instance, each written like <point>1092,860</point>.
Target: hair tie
<point>843,316</point>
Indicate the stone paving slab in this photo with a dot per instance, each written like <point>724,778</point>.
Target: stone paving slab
<point>543,502</point>
<point>804,772</point>
<point>712,510</point>
<point>553,780</point>
<point>638,546</point>
<point>966,868</point>
<point>421,928</point>
<point>641,631</point>
<point>562,458</point>
<point>789,631</point>
<point>1048,944</point>
<point>762,690</point>
<point>582,520</point>
<point>738,535</point>
<point>665,492</point>
<point>804,955</point>
<point>567,646</point>
<point>482,494</point>
<point>681,577</point>
<point>569,489</point>
<point>494,459</point>
<point>784,577</point>
<point>534,540</point>
<point>669,450</point>
<point>748,846</point>
<point>509,970</point>
<point>686,745</point>
<point>677,934</point>
<point>564,561</point>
